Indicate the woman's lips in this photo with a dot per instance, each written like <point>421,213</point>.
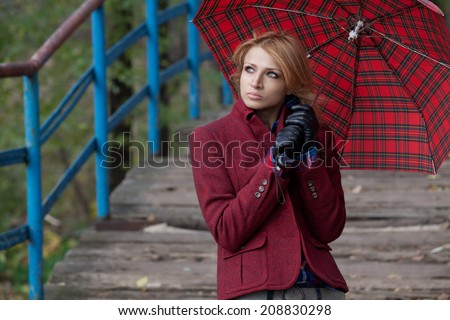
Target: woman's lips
<point>254,96</point>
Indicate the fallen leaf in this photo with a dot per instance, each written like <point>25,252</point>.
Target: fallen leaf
<point>437,250</point>
<point>445,247</point>
<point>142,282</point>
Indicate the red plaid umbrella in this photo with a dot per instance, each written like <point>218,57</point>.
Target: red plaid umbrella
<point>382,66</point>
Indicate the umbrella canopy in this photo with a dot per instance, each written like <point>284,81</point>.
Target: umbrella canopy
<point>381,68</point>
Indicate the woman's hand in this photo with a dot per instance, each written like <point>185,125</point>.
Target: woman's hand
<point>289,140</point>
<point>288,144</point>
<point>298,135</point>
<point>304,118</point>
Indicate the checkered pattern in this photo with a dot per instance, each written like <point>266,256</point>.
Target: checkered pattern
<point>387,92</point>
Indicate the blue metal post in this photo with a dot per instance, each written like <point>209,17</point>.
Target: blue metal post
<point>154,138</point>
<point>194,62</point>
<point>227,96</point>
<point>34,189</point>
<point>100,110</point>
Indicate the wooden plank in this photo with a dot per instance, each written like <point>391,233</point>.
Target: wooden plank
<point>191,217</point>
<point>193,275</point>
<point>399,199</point>
<point>388,238</point>
<point>76,292</point>
<point>183,217</point>
<point>142,237</point>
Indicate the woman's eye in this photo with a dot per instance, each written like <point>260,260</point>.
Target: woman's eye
<point>249,69</point>
<point>272,74</point>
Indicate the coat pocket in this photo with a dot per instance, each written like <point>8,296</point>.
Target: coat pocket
<point>247,267</point>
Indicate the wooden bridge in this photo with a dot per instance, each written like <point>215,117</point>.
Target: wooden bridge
<point>396,243</point>
<point>154,245</point>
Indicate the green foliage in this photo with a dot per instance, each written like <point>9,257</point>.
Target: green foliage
<point>13,273</point>
<point>14,264</point>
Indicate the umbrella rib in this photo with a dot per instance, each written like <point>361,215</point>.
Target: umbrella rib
<point>396,13</point>
<point>296,11</point>
<point>323,43</point>
<point>330,71</point>
<point>305,13</point>
<point>221,12</point>
<point>354,80</point>
<point>270,8</point>
<point>410,48</point>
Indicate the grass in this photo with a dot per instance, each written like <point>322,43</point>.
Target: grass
<point>14,263</point>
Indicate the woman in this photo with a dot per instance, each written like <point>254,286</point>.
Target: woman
<point>271,204</point>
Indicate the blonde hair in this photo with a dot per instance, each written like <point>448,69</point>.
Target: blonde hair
<point>288,52</point>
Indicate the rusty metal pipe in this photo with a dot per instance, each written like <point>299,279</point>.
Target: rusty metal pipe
<point>64,31</point>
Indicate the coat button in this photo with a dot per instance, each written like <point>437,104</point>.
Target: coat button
<point>312,188</point>
<point>264,182</point>
<point>242,247</point>
<point>261,189</point>
<point>315,195</point>
<point>310,183</point>
<point>257,195</point>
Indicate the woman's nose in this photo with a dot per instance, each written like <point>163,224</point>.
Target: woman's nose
<point>256,82</point>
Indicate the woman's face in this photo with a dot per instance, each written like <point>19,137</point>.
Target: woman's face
<point>262,84</point>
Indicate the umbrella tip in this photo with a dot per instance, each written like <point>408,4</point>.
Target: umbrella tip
<point>433,7</point>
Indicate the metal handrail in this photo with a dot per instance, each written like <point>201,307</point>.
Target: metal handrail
<point>64,31</point>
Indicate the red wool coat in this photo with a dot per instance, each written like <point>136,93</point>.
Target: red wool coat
<point>262,241</point>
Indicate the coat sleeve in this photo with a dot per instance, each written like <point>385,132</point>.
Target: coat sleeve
<point>323,203</point>
<point>232,216</point>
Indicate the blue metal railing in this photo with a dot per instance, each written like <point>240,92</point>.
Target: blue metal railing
<point>36,134</point>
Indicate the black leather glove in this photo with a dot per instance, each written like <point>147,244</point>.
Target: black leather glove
<point>298,134</point>
<point>303,117</point>
<point>288,142</point>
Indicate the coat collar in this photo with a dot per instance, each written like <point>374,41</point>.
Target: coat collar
<point>242,112</point>
<point>260,131</point>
